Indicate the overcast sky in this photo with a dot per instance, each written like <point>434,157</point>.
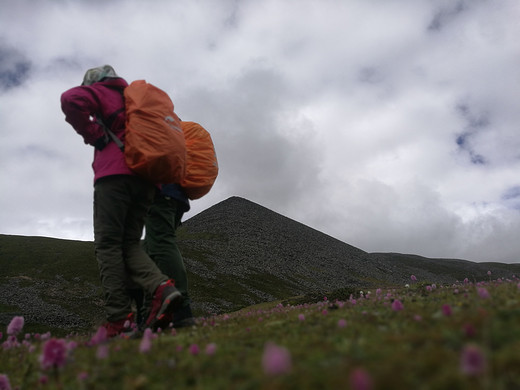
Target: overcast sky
<point>390,125</point>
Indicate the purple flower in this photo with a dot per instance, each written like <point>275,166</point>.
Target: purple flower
<point>4,382</point>
<point>211,349</point>
<point>342,323</point>
<point>414,278</point>
<point>276,360</point>
<point>483,293</point>
<point>100,336</point>
<point>146,342</point>
<point>15,326</point>
<point>397,305</point>
<point>194,349</point>
<point>54,354</point>
<point>301,317</point>
<point>446,310</point>
<point>472,361</point>
<point>360,380</point>
<point>102,352</point>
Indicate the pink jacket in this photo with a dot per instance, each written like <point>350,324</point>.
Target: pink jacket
<point>103,100</point>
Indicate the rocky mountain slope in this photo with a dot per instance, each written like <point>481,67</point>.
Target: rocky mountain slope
<point>246,241</point>
<point>237,253</point>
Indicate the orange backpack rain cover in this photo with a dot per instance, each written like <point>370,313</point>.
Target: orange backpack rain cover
<point>201,161</point>
<point>155,148</point>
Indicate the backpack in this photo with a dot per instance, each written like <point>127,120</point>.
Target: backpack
<point>154,142</point>
<point>160,147</point>
<point>201,161</point>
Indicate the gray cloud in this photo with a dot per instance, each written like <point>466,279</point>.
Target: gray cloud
<point>391,126</point>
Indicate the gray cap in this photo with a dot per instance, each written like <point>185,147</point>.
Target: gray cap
<point>97,74</point>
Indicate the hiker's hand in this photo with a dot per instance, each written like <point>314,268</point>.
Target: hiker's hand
<point>101,143</point>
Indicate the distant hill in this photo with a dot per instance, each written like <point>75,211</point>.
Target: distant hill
<point>237,253</point>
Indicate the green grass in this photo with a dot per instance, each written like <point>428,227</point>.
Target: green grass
<point>418,347</point>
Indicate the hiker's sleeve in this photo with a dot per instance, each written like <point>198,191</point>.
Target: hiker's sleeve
<point>79,107</point>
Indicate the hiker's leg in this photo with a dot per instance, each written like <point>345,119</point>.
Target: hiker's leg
<point>162,221</point>
<point>111,201</point>
<point>141,268</point>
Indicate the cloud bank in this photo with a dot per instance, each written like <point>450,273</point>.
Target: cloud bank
<point>390,126</point>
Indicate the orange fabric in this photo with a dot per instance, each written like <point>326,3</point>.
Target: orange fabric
<point>201,162</point>
<point>154,142</point>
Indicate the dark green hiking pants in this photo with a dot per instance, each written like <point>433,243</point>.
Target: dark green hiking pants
<point>120,206</point>
<point>163,219</point>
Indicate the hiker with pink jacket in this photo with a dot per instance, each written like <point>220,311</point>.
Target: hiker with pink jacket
<point>121,200</point>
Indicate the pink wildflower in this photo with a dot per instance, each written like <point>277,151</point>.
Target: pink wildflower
<point>146,342</point>
<point>211,349</point>
<point>15,326</point>
<point>360,380</point>
<point>54,354</point>
<point>397,305</point>
<point>194,349</point>
<point>102,351</point>
<point>301,317</point>
<point>342,323</point>
<point>100,336</point>
<point>489,273</point>
<point>472,361</point>
<point>483,293</point>
<point>414,278</point>
<point>446,310</point>
<point>276,360</point>
<point>83,376</point>
<point>4,382</point>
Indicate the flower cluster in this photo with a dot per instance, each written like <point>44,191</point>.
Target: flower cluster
<point>277,359</point>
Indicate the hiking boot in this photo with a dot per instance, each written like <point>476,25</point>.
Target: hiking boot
<point>165,299</point>
<point>123,326</point>
<point>183,317</point>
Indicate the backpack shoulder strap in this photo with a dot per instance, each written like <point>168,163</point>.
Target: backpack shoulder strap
<point>111,134</point>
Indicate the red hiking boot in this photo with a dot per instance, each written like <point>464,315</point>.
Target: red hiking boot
<point>165,300</point>
<point>124,326</point>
